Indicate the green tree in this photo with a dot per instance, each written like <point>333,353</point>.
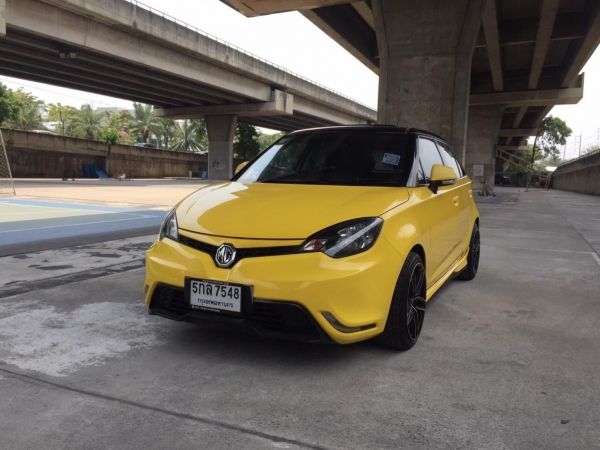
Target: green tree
<point>26,111</point>
<point>64,116</point>
<point>7,105</point>
<point>165,131</point>
<point>88,122</point>
<point>266,140</point>
<point>552,132</point>
<point>190,136</point>
<point>245,142</point>
<point>122,123</point>
<point>109,135</point>
<point>144,121</point>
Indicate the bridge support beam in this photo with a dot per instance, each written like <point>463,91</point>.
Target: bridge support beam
<point>482,136</point>
<point>220,131</point>
<point>425,69</point>
<point>2,18</point>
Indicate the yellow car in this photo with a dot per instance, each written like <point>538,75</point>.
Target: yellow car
<point>336,234</point>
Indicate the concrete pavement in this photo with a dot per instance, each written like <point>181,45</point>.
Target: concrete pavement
<point>509,360</point>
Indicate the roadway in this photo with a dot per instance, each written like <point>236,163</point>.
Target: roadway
<point>506,361</point>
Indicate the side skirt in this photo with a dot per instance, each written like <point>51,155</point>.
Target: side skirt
<point>454,269</point>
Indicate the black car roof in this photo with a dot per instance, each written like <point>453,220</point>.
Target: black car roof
<point>374,127</point>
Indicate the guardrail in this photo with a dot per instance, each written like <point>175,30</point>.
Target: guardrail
<point>239,49</point>
<point>586,155</point>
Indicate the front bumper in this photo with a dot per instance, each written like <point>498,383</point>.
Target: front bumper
<point>307,296</point>
<point>270,319</point>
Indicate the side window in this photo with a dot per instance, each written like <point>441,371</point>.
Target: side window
<point>449,160</point>
<point>428,156</point>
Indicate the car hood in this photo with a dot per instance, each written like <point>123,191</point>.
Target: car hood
<point>281,211</point>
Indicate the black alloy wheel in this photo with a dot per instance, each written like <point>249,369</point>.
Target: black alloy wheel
<point>407,309</point>
<point>469,272</point>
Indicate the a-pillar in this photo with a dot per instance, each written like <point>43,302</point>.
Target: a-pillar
<point>425,49</point>
<point>482,137</point>
<point>220,131</point>
<point>2,17</point>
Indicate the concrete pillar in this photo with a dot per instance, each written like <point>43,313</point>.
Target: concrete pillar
<point>2,17</point>
<point>220,131</point>
<point>482,137</point>
<point>425,49</point>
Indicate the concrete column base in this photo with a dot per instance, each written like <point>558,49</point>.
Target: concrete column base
<point>2,17</point>
<point>482,135</point>
<point>220,131</point>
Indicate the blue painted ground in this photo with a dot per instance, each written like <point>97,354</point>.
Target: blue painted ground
<point>27,225</point>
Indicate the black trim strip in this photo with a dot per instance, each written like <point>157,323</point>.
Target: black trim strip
<point>241,253</point>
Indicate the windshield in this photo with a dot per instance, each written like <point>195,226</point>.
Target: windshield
<point>348,158</point>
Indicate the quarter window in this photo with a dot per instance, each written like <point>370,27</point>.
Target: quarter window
<point>449,160</point>
<point>428,156</point>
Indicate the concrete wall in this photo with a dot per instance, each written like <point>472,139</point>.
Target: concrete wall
<point>582,175</point>
<point>48,156</point>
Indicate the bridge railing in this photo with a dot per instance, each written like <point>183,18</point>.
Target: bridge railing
<point>239,49</point>
<point>584,156</point>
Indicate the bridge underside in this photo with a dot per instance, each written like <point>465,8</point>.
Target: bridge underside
<point>27,56</point>
<point>522,56</point>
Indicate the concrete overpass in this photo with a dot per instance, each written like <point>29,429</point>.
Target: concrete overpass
<point>480,73</point>
<point>123,49</point>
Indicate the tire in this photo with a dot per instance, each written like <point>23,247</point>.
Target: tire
<point>469,272</point>
<point>407,309</point>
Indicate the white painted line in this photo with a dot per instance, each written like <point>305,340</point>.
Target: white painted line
<point>596,257</point>
<point>78,224</point>
<point>8,203</point>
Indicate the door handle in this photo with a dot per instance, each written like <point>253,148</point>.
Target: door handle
<point>455,200</point>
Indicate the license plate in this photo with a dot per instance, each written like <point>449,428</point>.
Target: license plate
<point>215,296</point>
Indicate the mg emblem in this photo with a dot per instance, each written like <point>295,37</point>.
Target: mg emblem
<point>225,255</point>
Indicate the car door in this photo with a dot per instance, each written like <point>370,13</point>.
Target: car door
<point>442,214</point>
<point>463,190</point>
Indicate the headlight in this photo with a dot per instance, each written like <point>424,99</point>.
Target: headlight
<point>169,227</point>
<point>346,238</point>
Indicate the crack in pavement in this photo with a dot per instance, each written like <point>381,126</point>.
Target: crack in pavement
<point>47,283</point>
<point>181,415</point>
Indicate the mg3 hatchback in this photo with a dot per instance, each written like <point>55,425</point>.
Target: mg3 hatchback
<point>334,234</point>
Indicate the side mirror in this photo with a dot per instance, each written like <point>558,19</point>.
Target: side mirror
<point>240,166</point>
<point>441,176</point>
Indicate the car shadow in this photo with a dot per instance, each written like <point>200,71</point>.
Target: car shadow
<point>198,341</point>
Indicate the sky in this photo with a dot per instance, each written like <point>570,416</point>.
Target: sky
<point>293,42</point>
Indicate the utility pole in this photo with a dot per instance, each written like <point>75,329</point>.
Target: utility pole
<point>580,136</point>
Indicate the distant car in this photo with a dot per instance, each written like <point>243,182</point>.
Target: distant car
<point>144,145</point>
<point>502,180</point>
<point>336,234</point>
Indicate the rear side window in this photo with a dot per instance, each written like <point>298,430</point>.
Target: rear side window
<point>428,156</point>
<point>449,160</point>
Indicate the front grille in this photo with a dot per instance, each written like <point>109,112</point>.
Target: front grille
<point>265,317</point>
<point>241,253</point>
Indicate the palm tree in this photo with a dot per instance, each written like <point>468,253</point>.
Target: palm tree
<point>88,122</point>
<point>144,120</point>
<point>191,136</point>
<point>165,131</point>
